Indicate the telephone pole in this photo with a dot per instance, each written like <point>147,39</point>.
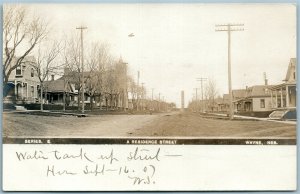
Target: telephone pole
<point>202,79</point>
<point>142,98</point>
<point>159,101</point>
<point>138,90</point>
<point>196,98</point>
<point>152,93</point>
<point>229,28</point>
<point>81,28</point>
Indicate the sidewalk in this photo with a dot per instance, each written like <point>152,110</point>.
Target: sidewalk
<point>257,118</point>
<point>45,113</point>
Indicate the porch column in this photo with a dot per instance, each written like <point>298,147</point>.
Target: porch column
<point>281,98</point>
<point>16,89</point>
<point>22,88</point>
<point>272,100</point>
<point>287,96</point>
<point>276,97</point>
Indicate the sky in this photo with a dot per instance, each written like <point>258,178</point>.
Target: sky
<point>174,44</point>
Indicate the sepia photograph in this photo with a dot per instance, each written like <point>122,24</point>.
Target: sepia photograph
<point>146,74</point>
<point>149,71</point>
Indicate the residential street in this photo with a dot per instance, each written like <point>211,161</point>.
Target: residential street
<point>173,124</point>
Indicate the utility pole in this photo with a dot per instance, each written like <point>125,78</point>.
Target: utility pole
<point>196,98</point>
<point>229,28</point>
<point>202,79</point>
<point>152,93</point>
<point>142,97</point>
<point>182,101</point>
<point>81,28</point>
<point>163,103</point>
<point>158,101</point>
<point>152,103</point>
<point>138,90</point>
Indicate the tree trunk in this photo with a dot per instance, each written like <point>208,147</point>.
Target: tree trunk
<point>106,103</point>
<point>42,107</point>
<point>100,102</point>
<point>64,101</point>
<point>117,98</point>
<point>111,101</point>
<point>78,100</point>
<point>91,102</point>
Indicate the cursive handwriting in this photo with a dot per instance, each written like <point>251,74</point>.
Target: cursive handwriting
<point>143,154</point>
<point>82,155</point>
<point>139,180</point>
<point>138,165</point>
<point>96,171</point>
<point>27,156</point>
<point>110,157</point>
<point>52,171</point>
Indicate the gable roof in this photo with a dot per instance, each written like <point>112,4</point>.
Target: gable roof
<point>236,95</point>
<point>240,93</point>
<point>259,91</point>
<point>57,86</point>
<point>291,69</point>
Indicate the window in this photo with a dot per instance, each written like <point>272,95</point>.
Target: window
<point>38,90</point>
<point>32,91</point>
<point>19,70</point>
<point>294,75</point>
<point>25,89</point>
<point>262,103</point>
<point>32,72</point>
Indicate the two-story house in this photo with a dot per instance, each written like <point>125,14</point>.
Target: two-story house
<point>25,83</point>
<point>284,95</point>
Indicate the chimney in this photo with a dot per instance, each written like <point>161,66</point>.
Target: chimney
<point>265,78</point>
<point>266,82</point>
<point>52,77</point>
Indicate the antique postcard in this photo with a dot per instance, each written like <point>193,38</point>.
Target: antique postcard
<point>149,97</point>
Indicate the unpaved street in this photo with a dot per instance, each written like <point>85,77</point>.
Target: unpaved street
<point>164,125</point>
<point>70,126</point>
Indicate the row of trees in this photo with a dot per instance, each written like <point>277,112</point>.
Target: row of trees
<point>105,78</point>
<point>210,96</point>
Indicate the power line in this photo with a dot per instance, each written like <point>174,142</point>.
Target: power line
<point>229,28</point>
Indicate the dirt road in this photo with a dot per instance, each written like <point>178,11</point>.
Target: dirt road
<point>193,125</point>
<point>70,126</point>
<point>163,125</point>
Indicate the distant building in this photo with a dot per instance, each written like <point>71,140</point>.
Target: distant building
<point>257,99</point>
<point>223,105</point>
<point>25,83</point>
<point>55,90</point>
<point>284,95</point>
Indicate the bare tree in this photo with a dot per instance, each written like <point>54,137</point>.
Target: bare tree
<point>92,74</point>
<point>20,36</point>
<point>211,92</point>
<point>110,84</point>
<point>46,64</point>
<point>72,65</point>
<point>98,59</point>
<point>132,87</point>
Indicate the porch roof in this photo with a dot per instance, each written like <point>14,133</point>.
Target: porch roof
<point>283,85</point>
<point>243,100</point>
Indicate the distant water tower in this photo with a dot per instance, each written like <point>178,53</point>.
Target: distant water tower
<point>182,100</point>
